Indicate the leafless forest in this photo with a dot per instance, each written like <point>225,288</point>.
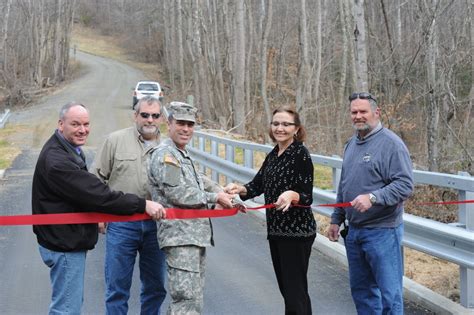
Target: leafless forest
<point>242,58</point>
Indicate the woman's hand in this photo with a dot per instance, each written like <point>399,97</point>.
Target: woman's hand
<point>286,199</point>
<point>235,189</point>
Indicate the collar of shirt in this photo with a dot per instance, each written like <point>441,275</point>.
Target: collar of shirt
<point>373,131</point>
<point>183,152</point>
<point>77,149</point>
<point>291,147</point>
<point>146,143</point>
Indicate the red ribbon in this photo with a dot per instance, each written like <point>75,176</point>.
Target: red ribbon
<point>171,214</point>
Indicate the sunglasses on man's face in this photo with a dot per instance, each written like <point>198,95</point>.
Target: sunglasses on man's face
<point>147,115</point>
<point>362,96</point>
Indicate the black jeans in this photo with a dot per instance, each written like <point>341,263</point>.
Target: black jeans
<point>290,261</point>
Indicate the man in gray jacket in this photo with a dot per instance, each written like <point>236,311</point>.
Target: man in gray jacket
<point>177,183</point>
<point>376,178</point>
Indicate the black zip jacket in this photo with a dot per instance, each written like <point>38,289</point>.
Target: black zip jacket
<point>62,184</point>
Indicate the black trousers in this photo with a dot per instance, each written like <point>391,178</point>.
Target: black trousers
<point>290,261</point>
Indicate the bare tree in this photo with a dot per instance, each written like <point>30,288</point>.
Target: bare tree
<point>267,13</point>
<point>361,48</point>
<point>238,84</point>
<point>5,38</point>
<point>179,31</point>
<point>303,66</point>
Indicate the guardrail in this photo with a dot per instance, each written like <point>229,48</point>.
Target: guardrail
<point>454,243</point>
<point>4,118</point>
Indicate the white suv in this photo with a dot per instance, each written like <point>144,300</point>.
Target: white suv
<point>145,88</point>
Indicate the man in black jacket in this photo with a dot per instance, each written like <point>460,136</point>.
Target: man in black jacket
<point>62,184</point>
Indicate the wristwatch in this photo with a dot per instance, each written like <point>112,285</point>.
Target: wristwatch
<point>372,198</point>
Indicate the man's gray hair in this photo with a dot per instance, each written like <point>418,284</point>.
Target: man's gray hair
<point>373,104</point>
<point>66,107</point>
<point>149,99</point>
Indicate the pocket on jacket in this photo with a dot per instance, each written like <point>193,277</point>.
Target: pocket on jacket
<point>126,162</point>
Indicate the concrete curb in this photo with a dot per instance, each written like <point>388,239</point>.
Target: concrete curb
<point>413,291</point>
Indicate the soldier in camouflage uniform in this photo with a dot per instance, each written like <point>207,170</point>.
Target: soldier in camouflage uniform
<point>177,184</point>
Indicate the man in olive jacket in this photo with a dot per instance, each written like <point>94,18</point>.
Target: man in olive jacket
<point>62,184</point>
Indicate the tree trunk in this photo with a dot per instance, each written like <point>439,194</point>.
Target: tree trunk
<point>360,45</point>
<point>220,89</point>
<point>433,89</point>
<point>393,50</point>
<point>352,47</point>
<point>248,60</point>
<point>5,39</point>
<point>470,103</point>
<point>179,30</point>
<point>341,106</point>
<point>303,71</point>
<point>263,60</point>
<point>199,76</point>
<point>168,37</point>
<point>238,85</point>
<point>317,63</point>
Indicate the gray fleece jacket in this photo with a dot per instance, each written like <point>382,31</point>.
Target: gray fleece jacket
<point>379,164</point>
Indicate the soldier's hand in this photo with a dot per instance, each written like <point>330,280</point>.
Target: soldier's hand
<point>155,210</point>
<point>225,199</point>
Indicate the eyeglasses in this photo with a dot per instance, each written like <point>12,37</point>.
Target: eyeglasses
<point>147,115</point>
<point>362,96</point>
<point>284,124</point>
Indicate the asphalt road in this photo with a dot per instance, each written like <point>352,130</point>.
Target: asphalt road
<point>239,279</point>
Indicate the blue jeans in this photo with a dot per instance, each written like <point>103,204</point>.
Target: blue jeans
<point>124,241</point>
<point>376,269</point>
<point>67,280</point>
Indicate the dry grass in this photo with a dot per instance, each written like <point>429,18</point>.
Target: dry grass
<point>9,148</point>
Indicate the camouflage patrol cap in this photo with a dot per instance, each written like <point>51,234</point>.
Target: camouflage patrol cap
<point>182,111</point>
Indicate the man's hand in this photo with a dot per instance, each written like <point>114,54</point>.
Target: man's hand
<point>362,203</point>
<point>235,189</point>
<point>102,227</point>
<point>285,199</point>
<point>224,199</point>
<point>333,232</point>
<point>155,210</point>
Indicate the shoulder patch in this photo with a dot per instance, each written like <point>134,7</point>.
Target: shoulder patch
<point>170,159</point>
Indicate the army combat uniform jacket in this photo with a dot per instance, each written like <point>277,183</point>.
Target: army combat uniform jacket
<point>176,183</point>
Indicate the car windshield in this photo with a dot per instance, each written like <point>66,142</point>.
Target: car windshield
<point>147,87</point>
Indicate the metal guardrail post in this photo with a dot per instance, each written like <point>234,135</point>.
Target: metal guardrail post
<point>214,152</point>
<point>202,147</point>
<point>4,118</point>
<point>466,219</point>
<point>229,156</point>
<point>336,176</point>
<point>248,158</point>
